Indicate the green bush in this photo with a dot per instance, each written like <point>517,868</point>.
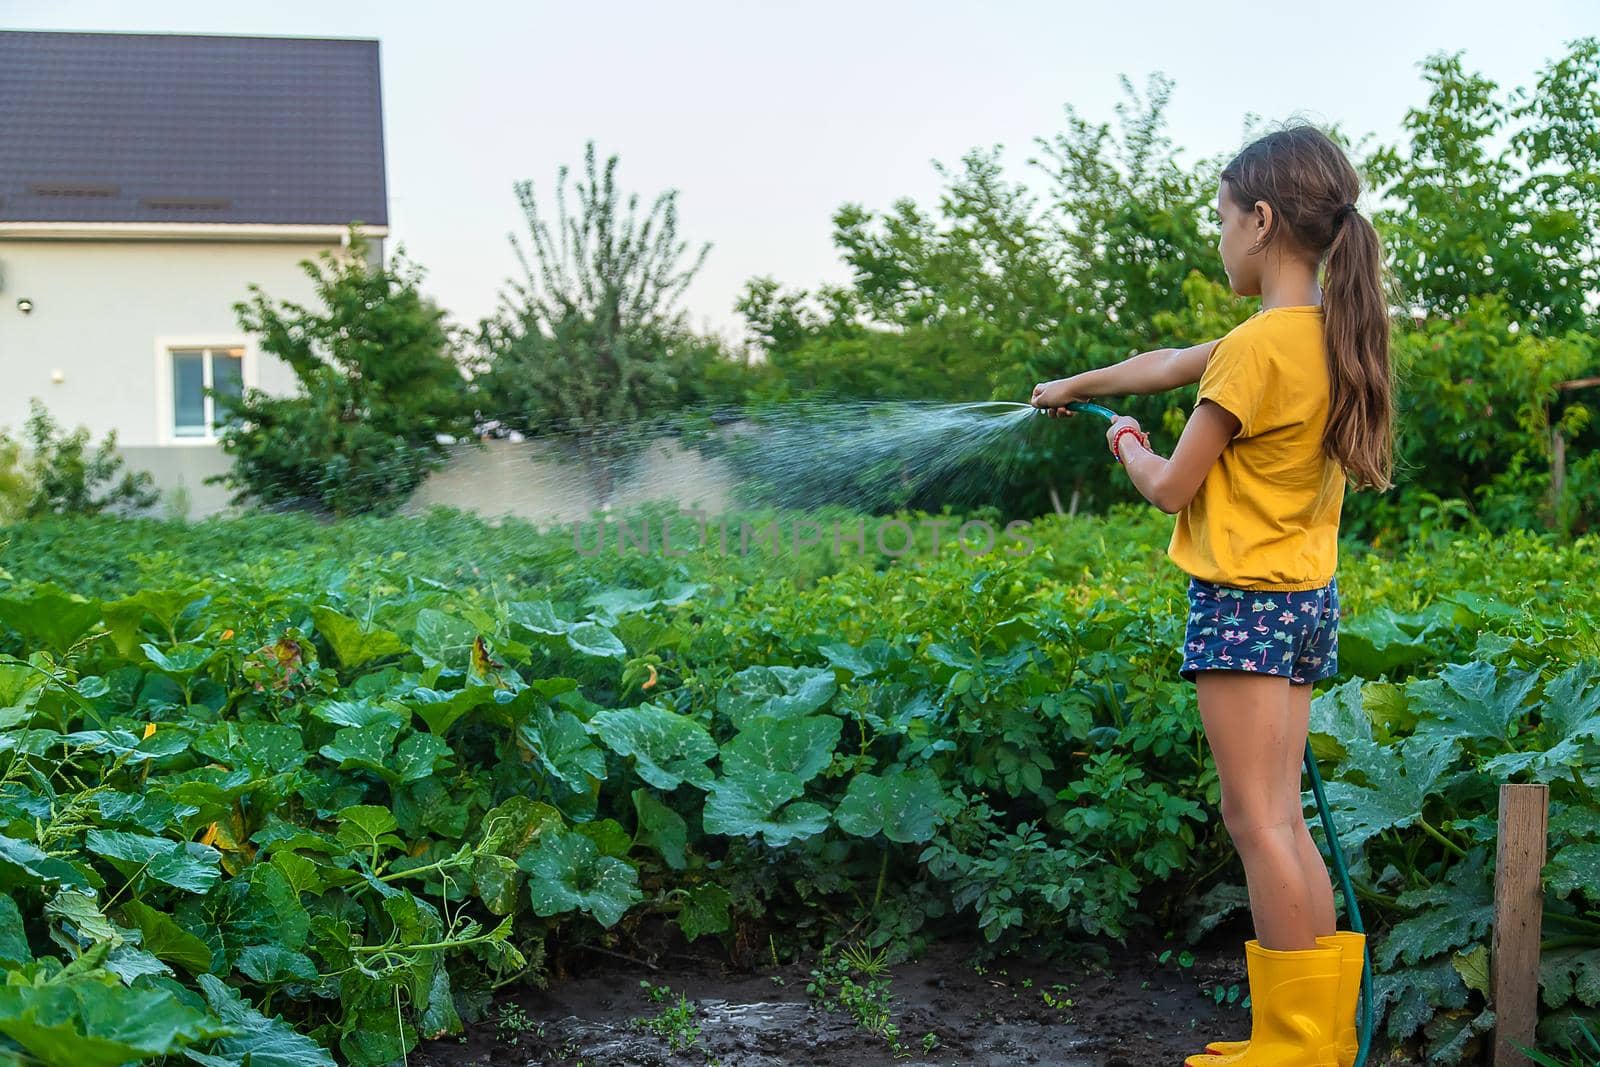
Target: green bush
<point>380,384</point>
<point>62,477</point>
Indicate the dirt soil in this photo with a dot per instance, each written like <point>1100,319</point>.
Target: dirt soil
<point>1132,1012</point>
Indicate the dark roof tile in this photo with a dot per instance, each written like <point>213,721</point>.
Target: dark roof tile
<point>112,127</point>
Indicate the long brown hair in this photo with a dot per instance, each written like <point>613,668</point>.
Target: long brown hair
<point>1313,190</point>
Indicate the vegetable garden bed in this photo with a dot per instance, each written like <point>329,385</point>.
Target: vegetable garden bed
<point>298,792</point>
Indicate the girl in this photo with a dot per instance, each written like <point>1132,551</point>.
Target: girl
<point>1291,402</point>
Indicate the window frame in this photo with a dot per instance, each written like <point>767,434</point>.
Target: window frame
<point>166,399</point>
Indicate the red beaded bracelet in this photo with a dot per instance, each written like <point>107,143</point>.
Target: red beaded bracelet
<point>1116,442</point>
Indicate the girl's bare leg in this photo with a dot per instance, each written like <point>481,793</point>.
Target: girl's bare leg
<point>1318,882</point>
<point>1256,739</point>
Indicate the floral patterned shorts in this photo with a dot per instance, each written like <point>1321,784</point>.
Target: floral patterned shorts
<point>1291,635</point>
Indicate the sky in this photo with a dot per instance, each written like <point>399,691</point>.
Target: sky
<point>767,115</point>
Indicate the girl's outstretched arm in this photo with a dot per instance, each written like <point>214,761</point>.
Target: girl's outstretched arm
<point>1155,371</point>
<point>1170,484</point>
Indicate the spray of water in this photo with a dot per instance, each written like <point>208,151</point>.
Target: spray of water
<point>867,456</point>
<point>873,456</point>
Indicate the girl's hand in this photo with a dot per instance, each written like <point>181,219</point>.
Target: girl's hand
<point>1120,423</point>
<point>1054,397</point>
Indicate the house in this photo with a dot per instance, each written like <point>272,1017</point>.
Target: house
<point>146,181</point>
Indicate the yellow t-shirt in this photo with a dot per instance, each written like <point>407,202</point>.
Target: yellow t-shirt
<point>1267,515</point>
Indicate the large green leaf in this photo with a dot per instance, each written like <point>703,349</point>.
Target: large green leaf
<point>166,940</point>
<point>608,836</point>
<point>618,602</point>
<point>593,639</point>
<point>510,827</point>
<point>442,710</point>
<point>419,756</point>
<point>566,872</point>
<point>265,747</point>
<point>1569,727</point>
<point>356,713</point>
<point>20,685</point>
<point>1571,705</point>
<point>563,747</point>
<point>704,911</point>
<point>668,748</point>
<point>661,828</point>
<point>131,963</point>
<point>185,865</point>
<point>1398,779</point>
<point>258,908</point>
<point>872,657</point>
<point>444,640</point>
<point>1473,701</point>
<point>1575,867</point>
<point>13,937</point>
<point>1410,996</point>
<point>902,805</point>
<point>88,1023</point>
<point>496,880</point>
<point>1451,1034</point>
<point>437,1016</point>
<point>1570,973</point>
<point>1338,714</point>
<point>362,747</point>
<point>1455,911</point>
<point>259,1041</point>
<point>81,920</point>
<point>182,662</point>
<point>368,829</point>
<point>125,617</point>
<point>538,617</point>
<point>776,693</point>
<point>49,616</point>
<point>802,746</point>
<point>275,965</point>
<point>34,865</point>
<point>757,806</point>
<point>1375,643</point>
<point>353,644</point>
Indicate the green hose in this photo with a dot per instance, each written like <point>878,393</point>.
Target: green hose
<point>1093,409</point>
<point>1352,910</point>
<point>1335,853</point>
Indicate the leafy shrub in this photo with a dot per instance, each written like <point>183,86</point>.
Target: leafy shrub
<point>62,477</point>
<point>15,489</point>
<point>380,383</point>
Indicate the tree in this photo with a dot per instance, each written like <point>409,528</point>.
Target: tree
<point>591,341</point>
<point>63,477</point>
<point>1560,142</point>
<point>380,384</point>
<point>1490,231</point>
<point>1475,212</point>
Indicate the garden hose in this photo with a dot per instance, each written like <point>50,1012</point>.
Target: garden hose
<point>1335,853</point>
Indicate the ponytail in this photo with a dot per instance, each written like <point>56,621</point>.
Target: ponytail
<point>1359,432</point>
<point>1312,189</point>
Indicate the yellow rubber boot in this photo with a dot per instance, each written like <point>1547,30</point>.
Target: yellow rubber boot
<point>1294,999</point>
<point>1352,947</point>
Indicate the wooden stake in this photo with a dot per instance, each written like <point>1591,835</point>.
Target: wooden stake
<point>1558,477</point>
<point>1518,918</point>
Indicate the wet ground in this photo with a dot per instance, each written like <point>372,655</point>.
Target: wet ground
<point>1131,1011</point>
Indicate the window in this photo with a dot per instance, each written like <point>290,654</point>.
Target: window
<point>195,414</point>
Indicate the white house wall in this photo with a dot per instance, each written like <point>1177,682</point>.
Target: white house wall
<point>99,310</point>
<point>101,314</point>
